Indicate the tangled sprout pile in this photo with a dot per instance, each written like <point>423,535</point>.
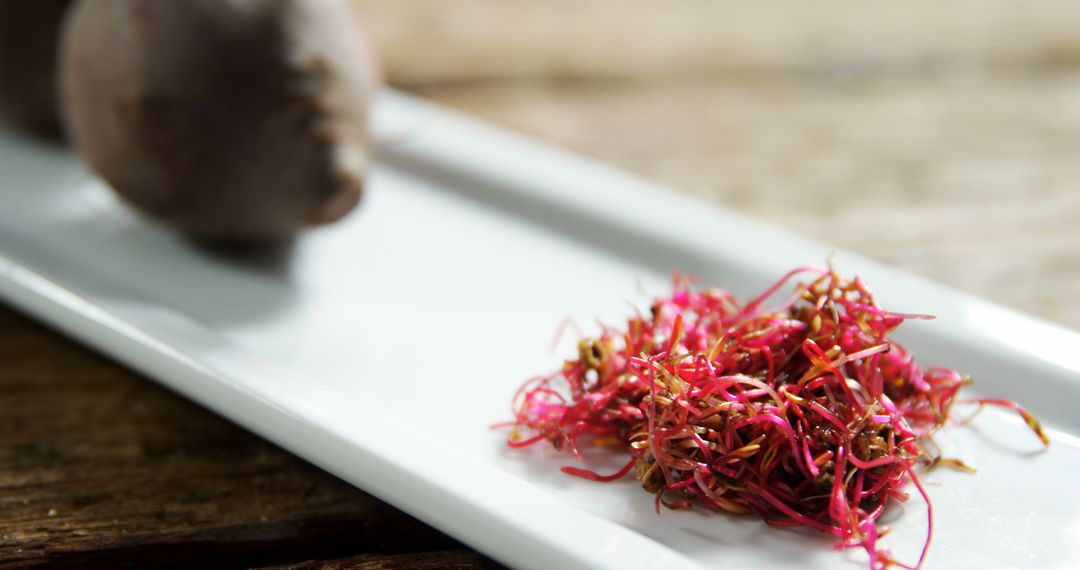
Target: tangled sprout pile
<point>806,413</point>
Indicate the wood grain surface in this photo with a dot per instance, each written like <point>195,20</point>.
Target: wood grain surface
<point>939,137</point>
<point>99,466</point>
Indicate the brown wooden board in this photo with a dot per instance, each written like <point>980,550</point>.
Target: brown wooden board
<point>99,466</point>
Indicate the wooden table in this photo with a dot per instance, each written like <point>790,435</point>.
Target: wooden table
<point>942,139</point>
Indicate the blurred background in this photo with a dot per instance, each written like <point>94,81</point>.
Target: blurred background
<point>938,137</point>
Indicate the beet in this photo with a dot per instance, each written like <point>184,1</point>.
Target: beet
<point>233,120</point>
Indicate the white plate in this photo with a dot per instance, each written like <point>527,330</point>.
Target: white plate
<point>383,347</point>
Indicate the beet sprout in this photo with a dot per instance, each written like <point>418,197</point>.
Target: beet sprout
<point>805,413</point>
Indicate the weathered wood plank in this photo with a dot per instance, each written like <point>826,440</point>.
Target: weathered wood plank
<point>659,41</point>
<point>939,138</point>
<point>100,466</point>
<point>971,182</point>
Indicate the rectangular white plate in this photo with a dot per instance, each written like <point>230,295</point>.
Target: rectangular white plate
<point>383,347</point>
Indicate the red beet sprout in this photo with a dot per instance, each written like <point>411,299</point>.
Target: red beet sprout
<point>806,413</point>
